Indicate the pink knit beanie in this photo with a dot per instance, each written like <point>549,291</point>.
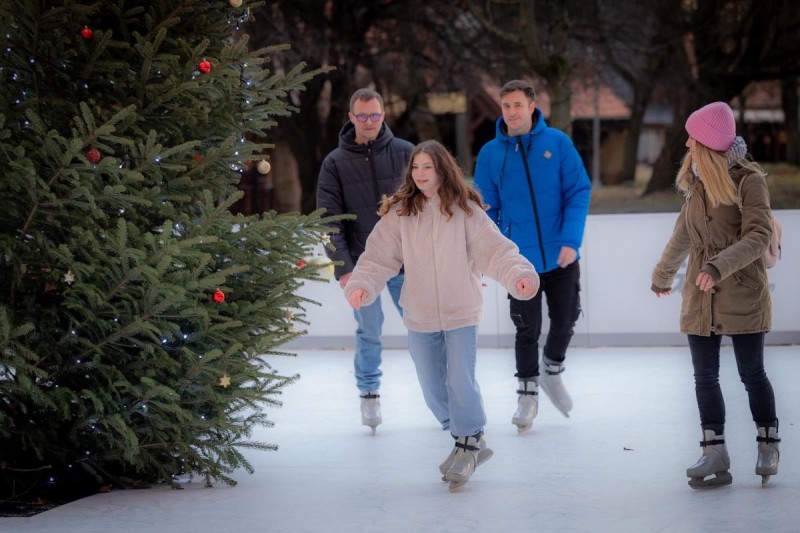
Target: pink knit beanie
<point>713,125</point>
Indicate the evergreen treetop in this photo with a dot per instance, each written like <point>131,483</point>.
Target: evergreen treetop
<point>136,309</point>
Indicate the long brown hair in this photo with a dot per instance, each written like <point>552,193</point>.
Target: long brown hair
<point>453,189</point>
<point>713,167</point>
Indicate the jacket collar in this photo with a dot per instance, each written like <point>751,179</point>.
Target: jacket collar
<point>347,139</point>
<point>539,125</point>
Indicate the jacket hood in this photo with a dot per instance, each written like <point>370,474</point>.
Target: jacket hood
<point>347,138</point>
<point>501,130</point>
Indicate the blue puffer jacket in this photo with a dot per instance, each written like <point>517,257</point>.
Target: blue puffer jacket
<point>553,214</point>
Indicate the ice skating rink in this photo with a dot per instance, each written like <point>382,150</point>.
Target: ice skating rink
<point>616,465</point>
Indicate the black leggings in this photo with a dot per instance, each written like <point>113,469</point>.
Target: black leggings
<point>749,351</point>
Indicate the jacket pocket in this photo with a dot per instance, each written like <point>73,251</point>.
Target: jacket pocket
<point>745,281</point>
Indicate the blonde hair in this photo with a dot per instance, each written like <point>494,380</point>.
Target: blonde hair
<point>713,167</point>
<point>453,189</point>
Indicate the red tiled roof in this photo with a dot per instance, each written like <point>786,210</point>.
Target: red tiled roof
<point>582,106</point>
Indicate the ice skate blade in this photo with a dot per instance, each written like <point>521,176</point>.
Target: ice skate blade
<point>483,456</point>
<point>455,485</point>
<point>371,423</point>
<point>764,480</point>
<point>456,482</point>
<point>720,479</point>
<point>521,428</point>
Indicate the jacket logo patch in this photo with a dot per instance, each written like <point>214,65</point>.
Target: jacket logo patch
<point>547,154</point>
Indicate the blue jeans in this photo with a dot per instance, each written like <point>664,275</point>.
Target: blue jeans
<point>369,318</point>
<point>445,363</point>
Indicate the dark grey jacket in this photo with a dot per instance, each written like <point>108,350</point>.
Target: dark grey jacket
<point>353,179</point>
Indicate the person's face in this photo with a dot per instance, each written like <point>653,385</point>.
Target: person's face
<point>691,144</point>
<point>424,174</point>
<point>368,130</point>
<point>517,112</point>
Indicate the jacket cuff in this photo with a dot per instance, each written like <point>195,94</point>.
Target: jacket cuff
<point>658,290</point>
<point>661,283</point>
<point>712,271</point>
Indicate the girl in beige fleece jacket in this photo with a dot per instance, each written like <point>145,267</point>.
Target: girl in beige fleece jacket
<point>435,226</point>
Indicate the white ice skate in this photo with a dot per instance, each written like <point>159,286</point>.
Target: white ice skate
<point>464,462</point>
<point>714,462</point>
<point>553,387</point>
<point>371,410</point>
<point>768,453</point>
<point>527,404</point>
<point>484,454</point>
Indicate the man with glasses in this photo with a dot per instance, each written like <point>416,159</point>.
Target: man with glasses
<point>369,162</point>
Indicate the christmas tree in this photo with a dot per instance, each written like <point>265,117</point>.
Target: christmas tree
<point>136,310</point>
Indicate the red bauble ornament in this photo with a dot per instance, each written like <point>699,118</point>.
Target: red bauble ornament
<point>301,263</point>
<point>204,66</point>
<point>93,155</point>
<point>86,33</point>
<point>218,296</point>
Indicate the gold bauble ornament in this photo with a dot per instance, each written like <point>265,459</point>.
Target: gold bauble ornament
<point>263,166</point>
<point>236,3</point>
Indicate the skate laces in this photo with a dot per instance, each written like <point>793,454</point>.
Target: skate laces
<point>465,446</point>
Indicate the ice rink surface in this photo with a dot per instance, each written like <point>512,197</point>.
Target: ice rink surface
<point>616,465</point>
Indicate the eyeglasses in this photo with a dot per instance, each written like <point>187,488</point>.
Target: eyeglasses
<point>374,117</point>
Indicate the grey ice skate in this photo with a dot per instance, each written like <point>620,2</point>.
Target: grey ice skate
<point>465,460</point>
<point>371,410</point>
<point>527,404</point>
<point>714,462</point>
<point>553,387</point>
<point>768,453</point>
<point>484,454</point>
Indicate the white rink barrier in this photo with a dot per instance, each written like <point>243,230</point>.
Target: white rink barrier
<point>619,309</point>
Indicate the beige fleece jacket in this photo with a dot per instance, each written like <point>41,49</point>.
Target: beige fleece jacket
<point>443,261</point>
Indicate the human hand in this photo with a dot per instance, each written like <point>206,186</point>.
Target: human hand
<point>344,279</point>
<point>704,281</point>
<point>526,287</point>
<point>567,256</point>
<point>665,293</point>
<point>357,298</point>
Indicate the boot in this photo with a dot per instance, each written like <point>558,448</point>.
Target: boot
<point>527,404</point>
<point>484,454</point>
<point>465,460</point>
<point>371,410</point>
<point>553,387</point>
<point>768,453</point>
<point>714,462</point>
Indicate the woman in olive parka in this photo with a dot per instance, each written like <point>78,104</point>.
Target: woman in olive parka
<point>723,229</point>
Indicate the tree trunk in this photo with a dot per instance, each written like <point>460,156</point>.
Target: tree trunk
<point>630,153</point>
<point>791,113</point>
<point>560,103</point>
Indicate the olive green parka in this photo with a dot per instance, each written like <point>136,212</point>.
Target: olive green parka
<point>728,244</point>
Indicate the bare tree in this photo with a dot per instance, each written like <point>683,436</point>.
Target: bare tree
<point>727,44</point>
<point>538,33</point>
<point>791,112</point>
